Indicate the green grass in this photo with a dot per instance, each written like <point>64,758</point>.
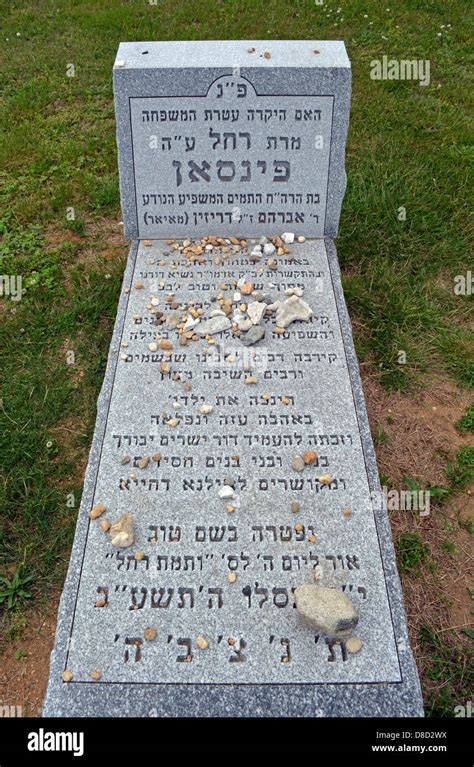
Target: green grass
<point>380,436</point>
<point>411,553</point>
<point>14,589</point>
<point>449,669</point>
<point>465,425</point>
<point>459,474</point>
<point>460,471</point>
<point>408,146</point>
<point>40,391</point>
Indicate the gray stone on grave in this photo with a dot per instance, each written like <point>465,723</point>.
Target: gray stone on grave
<point>215,136</point>
<point>232,646</point>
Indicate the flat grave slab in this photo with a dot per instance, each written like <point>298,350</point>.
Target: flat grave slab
<point>225,580</point>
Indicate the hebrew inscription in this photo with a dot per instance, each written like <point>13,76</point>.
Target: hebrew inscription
<point>230,160</point>
<point>215,578</point>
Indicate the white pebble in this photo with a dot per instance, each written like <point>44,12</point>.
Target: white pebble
<point>190,323</point>
<point>244,280</point>
<point>288,237</point>
<point>226,492</point>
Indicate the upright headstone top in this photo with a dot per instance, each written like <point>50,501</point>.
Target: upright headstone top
<point>231,137</point>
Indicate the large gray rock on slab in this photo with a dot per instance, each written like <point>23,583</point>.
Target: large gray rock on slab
<point>253,335</point>
<point>275,665</point>
<point>291,310</point>
<point>235,137</point>
<point>256,310</point>
<point>210,327</point>
<point>327,610</point>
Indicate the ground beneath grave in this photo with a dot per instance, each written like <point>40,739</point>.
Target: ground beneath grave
<point>24,661</point>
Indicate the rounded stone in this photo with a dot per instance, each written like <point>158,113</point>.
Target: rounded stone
<point>226,492</point>
<point>97,511</point>
<point>325,609</point>
<point>354,644</point>
<point>297,463</point>
<point>202,642</point>
<point>325,479</point>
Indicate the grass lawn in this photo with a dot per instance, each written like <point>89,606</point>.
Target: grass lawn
<point>409,147</point>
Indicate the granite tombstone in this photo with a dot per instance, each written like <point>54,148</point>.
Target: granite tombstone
<point>231,137</point>
<point>247,469</point>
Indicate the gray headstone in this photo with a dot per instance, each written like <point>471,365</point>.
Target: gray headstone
<point>215,587</point>
<point>215,136</point>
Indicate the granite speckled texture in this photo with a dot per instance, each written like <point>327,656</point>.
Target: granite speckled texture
<point>212,137</point>
<point>255,131</point>
<point>326,399</point>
